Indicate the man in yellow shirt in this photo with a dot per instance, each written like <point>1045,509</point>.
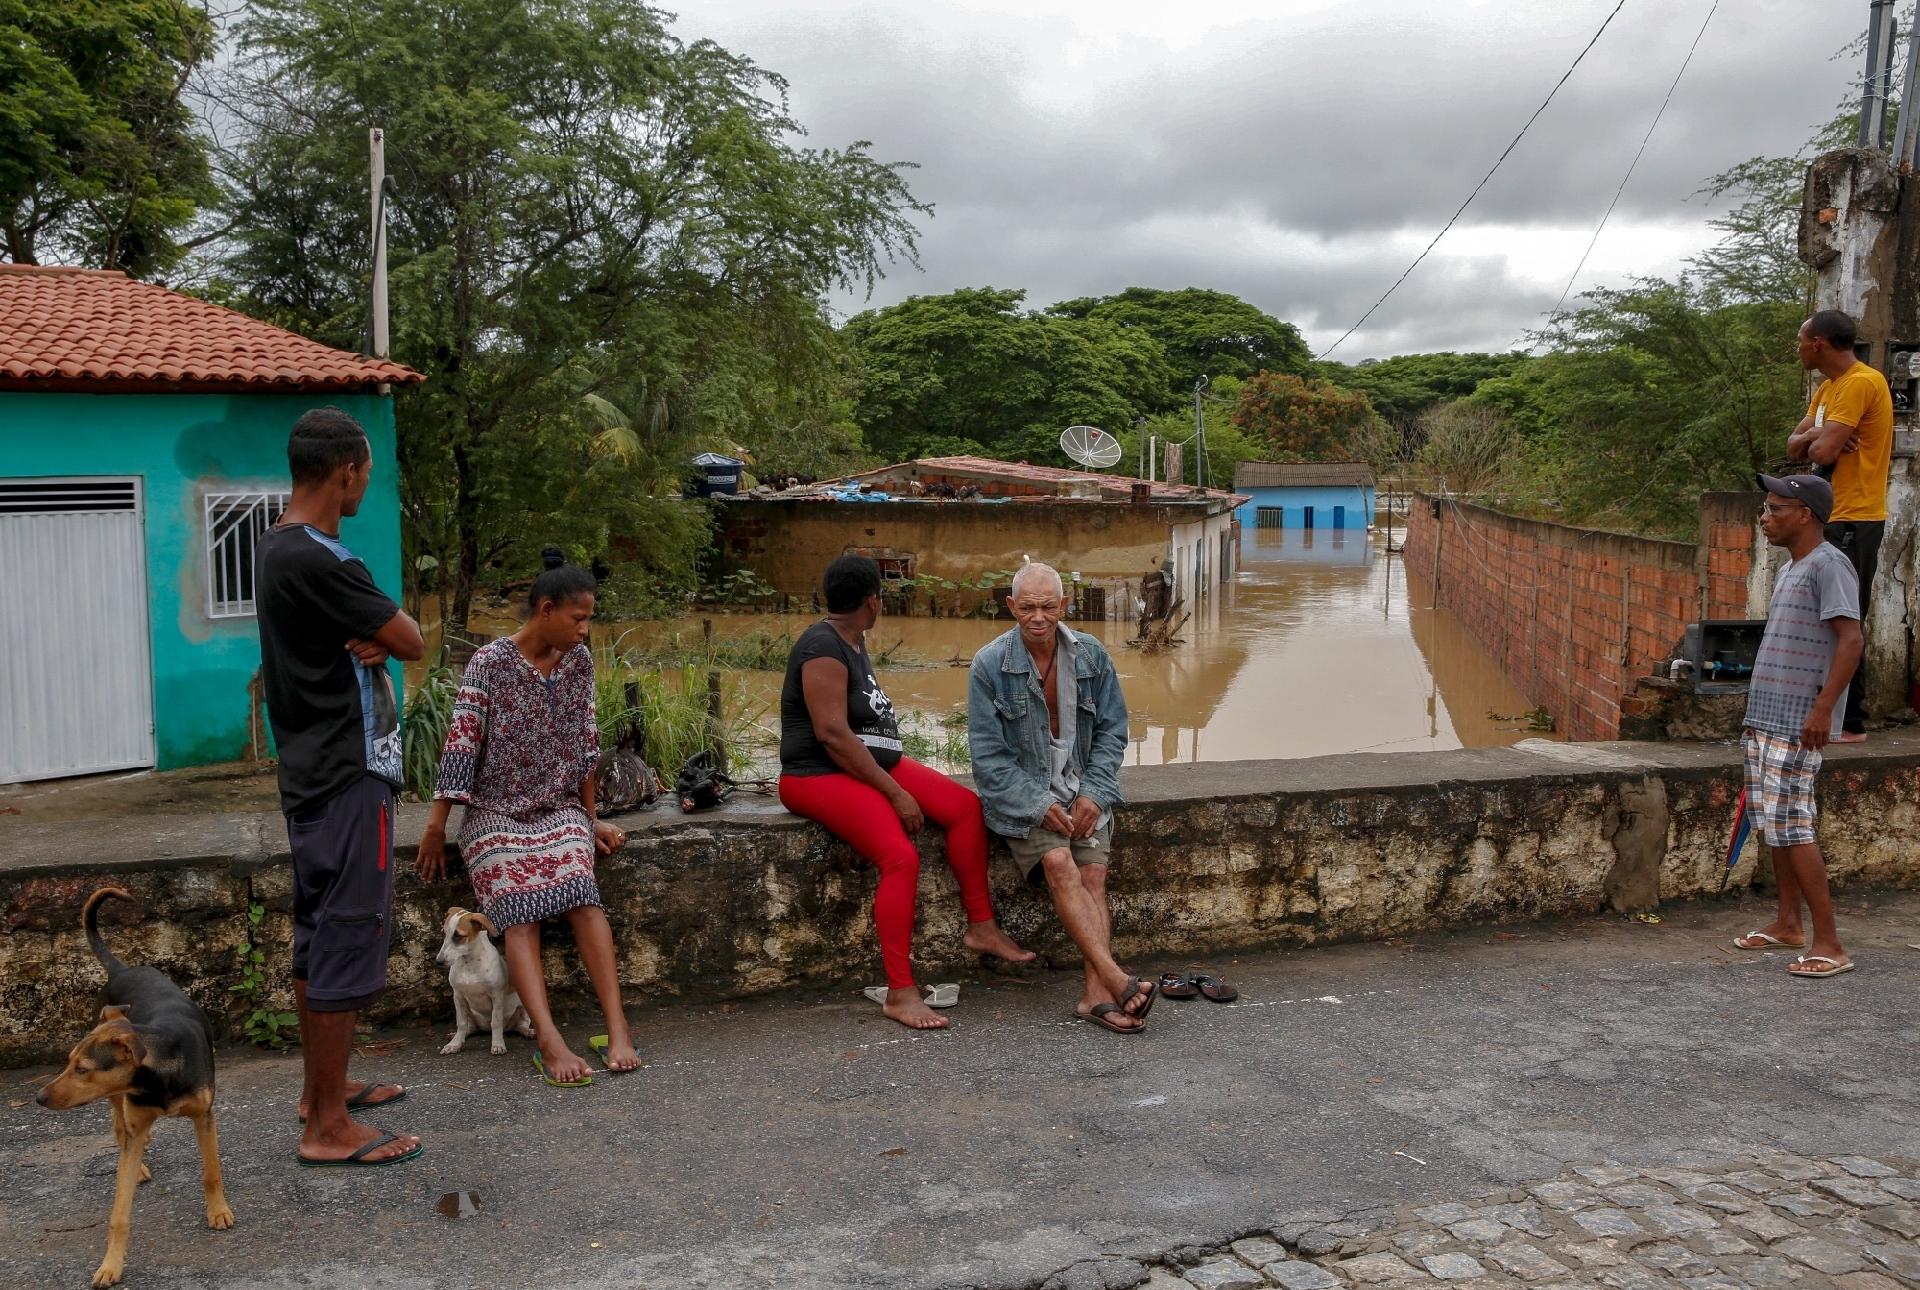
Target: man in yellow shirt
<point>1848,436</point>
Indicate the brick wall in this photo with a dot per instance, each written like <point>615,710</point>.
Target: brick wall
<point>1575,616</point>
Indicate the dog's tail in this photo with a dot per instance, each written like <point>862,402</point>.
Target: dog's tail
<point>89,918</point>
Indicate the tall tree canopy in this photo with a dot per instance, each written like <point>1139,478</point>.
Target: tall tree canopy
<point>586,205</point>
<point>1204,333</point>
<point>1302,420</point>
<point>1404,386</point>
<point>101,163</point>
<point>971,371</point>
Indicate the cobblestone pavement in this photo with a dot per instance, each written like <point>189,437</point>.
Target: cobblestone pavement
<point>1772,1220</point>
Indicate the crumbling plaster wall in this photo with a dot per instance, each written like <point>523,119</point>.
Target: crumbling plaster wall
<point>1208,859</point>
<point>1860,233</point>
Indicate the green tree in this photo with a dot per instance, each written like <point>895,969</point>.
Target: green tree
<point>1653,395</point>
<point>100,161</point>
<point>973,365</point>
<point>1405,386</point>
<point>1204,333</point>
<point>587,205</point>
<point>1302,420</point>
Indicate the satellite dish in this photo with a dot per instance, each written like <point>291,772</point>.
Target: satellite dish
<point>1090,446</point>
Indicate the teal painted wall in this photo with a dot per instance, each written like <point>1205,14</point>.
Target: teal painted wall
<point>183,446</point>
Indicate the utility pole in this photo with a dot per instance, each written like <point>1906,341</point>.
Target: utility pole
<point>1906,135</point>
<point>1199,433</point>
<point>377,309</point>
<point>1878,84</point>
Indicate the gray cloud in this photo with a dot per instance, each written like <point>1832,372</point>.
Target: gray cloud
<point>1298,155</point>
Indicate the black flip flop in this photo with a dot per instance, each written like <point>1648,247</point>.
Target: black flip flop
<point>1139,985</point>
<point>364,1099</point>
<point>1175,985</point>
<point>1099,1013</point>
<point>362,1102</point>
<point>1215,989</point>
<point>358,1159</point>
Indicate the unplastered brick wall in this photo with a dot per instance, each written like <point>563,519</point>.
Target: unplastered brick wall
<point>1574,616</point>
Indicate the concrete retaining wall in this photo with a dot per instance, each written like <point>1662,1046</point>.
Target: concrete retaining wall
<point>1209,858</point>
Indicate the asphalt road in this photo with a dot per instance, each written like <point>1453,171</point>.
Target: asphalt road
<point>807,1141</point>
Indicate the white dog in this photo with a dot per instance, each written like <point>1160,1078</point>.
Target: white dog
<point>478,975</point>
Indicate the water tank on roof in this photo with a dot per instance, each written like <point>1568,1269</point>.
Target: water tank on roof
<point>716,476</point>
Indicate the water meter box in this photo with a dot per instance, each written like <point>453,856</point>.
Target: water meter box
<point>1721,652</point>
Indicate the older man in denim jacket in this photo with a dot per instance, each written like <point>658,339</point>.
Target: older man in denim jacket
<point>1047,726</point>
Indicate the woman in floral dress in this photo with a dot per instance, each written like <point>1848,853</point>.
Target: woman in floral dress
<point>520,754</point>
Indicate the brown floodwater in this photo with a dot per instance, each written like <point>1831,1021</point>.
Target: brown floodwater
<point>1319,645</point>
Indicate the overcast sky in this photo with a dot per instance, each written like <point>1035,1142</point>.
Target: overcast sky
<point>1299,153</point>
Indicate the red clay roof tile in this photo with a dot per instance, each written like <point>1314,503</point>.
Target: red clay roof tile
<point>98,325</point>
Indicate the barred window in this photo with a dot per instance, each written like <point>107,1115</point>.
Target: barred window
<point>234,522</point>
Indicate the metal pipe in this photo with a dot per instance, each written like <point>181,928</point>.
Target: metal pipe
<point>377,146</point>
<point>1878,86</point>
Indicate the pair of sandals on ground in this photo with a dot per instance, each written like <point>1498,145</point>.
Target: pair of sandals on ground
<point>1172,985</point>
<point>1814,965</point>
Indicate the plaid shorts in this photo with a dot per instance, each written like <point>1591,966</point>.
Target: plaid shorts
<point>1780,787</point>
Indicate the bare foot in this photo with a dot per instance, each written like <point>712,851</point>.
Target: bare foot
<point>620,1052</point>
<point>381,1095</point>
<point>319,1145</point>
<point>987,938</point>
<point>562,1066</point>
<point>1851,737</point>
<point>909,1009</point>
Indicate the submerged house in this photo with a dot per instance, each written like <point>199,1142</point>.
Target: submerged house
<point>143,439</point>
<point>944,528</point>
<point>1305,494</point>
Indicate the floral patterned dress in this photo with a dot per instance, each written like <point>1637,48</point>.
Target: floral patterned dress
<point>518,748</point>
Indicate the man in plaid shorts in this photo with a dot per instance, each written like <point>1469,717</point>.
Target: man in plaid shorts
<point>1794,705</point>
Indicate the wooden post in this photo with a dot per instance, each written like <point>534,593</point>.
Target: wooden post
<point>716,741</point>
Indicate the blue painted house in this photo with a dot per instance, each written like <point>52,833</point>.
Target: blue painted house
<point>143,446</point>
<point>1315,495</point>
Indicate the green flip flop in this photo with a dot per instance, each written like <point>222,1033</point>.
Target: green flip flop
<point>600,1044</point>
<point>541,1066</point>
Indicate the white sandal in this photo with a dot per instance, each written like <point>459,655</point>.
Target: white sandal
<point>1835,970</point>
<point>1766,942</point>
<point>944,995</point>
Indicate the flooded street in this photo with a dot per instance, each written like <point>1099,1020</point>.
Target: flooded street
<point>1317,646</point>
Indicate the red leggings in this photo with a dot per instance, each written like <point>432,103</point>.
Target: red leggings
<point>861,816</point>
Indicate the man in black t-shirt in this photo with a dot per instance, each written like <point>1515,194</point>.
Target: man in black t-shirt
<point>326,633</point>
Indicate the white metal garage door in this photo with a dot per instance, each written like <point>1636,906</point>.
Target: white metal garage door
<point>76,670</point>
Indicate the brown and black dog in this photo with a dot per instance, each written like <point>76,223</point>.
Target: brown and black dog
<point>152,1054</point>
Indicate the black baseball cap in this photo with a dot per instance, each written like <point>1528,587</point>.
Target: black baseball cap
<point>1816,492</point>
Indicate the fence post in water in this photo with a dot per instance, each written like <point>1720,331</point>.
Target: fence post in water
<point>715,742</point>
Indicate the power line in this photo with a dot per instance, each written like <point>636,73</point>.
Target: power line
<point>1684,63</point>
<point>1482,184</point>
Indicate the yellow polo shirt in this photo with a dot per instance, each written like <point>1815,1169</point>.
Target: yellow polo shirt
<point>1859,397</point>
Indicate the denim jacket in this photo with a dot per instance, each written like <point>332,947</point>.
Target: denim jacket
<point>1007,731</point>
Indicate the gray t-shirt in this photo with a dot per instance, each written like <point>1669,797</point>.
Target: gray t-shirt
<point>1797,649</point>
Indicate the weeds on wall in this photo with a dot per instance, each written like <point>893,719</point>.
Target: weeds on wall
<point>423,729</point>
<point>664,712</point>
<point>263,1026</point>
<point>940,742</point>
